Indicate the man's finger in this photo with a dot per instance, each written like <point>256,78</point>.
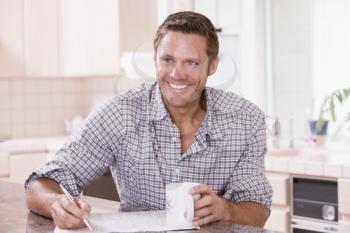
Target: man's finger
<point>202,212</point>
<point>72,207</point>
<point>64,219</point>
<point>204,220</point>
<point>200,189</point>
<point>85,207</point>
<point>204,201</point>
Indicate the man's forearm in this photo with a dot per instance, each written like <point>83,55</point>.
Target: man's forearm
<point>40,195</point>
<point>247,213</point>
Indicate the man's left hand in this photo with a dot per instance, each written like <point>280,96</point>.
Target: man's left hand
<point>210,207</point>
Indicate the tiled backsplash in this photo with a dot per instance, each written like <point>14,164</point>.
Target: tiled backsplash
<point>32,107</point>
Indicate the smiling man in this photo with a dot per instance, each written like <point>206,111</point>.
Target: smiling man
<point>175,130</point>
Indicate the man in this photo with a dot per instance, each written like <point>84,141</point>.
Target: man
<point>175,130</point>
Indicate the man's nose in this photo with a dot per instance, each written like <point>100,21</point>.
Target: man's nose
<point>177,71</point>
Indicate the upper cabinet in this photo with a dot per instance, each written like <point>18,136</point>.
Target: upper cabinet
<point>43,38</point>
<point>11,38</point>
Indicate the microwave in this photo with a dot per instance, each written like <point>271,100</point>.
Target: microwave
<point>314,205</point>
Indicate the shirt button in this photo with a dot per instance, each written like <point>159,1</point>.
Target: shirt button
<point>176,171</point>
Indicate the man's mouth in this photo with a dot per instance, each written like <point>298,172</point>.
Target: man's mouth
<point>177,86</point>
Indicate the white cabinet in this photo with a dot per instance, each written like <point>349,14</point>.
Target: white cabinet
<point>23,164</point>
<point>279,219</point>
<point>40,38</point>
<point>11,38</point>
<point>344,196</point>
<point>344,205</point>
<point>4,163</point>
<point>280,186</point>
<point>89,37</point>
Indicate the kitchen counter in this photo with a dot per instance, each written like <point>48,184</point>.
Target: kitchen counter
<point>16,218</point>
<point>28,145</point>
<point>310,161</point>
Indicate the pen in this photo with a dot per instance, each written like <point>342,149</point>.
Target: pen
<point>72,200</point>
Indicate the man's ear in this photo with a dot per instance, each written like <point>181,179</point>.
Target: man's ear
<point>213,66</point>
<point>155,58</point>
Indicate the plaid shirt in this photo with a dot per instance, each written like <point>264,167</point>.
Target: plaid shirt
<point>133,135</point>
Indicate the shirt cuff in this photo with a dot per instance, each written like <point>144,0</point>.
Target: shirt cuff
<point>54,171</point>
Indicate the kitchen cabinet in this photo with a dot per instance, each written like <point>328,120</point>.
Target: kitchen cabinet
<point>41,38</point>
<point>11,38</point>
<point>59,38</point>
<point>23,164</point>
<point>344,204</point>
<point>279,219</point>
<point>19,157</point>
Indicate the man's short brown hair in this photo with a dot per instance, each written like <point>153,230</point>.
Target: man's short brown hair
<point>190,22</point>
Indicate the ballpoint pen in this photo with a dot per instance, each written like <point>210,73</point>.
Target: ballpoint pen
<point>69,196</point>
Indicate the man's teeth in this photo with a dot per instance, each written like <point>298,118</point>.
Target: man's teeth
<point>176,86</point>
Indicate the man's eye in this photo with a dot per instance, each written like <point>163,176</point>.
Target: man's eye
<point>192,63</point>
<point>167,60</point>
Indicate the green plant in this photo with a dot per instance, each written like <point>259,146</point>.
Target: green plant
<point>329,104</point>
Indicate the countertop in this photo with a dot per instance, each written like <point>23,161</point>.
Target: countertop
<point>317,161</point>
<point>28,145</point>
<point>16,218</point>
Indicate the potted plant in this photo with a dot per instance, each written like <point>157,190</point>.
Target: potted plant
<point>320,126</point>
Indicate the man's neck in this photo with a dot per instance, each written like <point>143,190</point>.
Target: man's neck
<point>189,117</point>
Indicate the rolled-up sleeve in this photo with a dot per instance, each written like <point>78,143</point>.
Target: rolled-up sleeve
<point>248,181</point>
<point>85,156</point>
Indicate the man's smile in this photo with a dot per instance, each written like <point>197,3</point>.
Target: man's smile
<point>178,86</point>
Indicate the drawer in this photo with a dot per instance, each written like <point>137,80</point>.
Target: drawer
<point>279,220</point>
<point>280,185</point>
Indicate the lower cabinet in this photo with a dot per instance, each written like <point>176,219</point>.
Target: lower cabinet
<point>22,165</point>
<point>344,205</point>
<point>344,226</point>
<point>279,219</point>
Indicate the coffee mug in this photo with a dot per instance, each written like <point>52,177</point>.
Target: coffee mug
<point>180,203</point>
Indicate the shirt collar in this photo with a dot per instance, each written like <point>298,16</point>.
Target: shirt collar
<point>158,111</point>
<point>212,127</point>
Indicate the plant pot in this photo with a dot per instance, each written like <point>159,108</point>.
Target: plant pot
<point>318,133</point>
<point>315,130</point>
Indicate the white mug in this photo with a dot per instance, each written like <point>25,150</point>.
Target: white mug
<point>180,203</point>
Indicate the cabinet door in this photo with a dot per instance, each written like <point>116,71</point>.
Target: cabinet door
<point>22,165</point>
<point>280,187</point>
<point>11,38</point>
<point>4,163</point>
<point>90,37</point>
<point>279,219</point>
<point>41,38</point>
<point>344,226</point>
<point>344,196</point>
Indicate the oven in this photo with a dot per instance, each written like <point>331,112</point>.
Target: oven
<point>314,205</point>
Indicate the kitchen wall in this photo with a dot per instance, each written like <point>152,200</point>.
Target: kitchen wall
<point>32,107</point>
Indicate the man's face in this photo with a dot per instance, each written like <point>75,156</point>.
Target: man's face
<point>182,68</point>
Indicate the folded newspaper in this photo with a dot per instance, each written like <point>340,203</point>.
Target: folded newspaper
<point>178,215</point>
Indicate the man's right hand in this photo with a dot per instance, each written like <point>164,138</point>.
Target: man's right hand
<point>69,215</point>
<point>45,197</point>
